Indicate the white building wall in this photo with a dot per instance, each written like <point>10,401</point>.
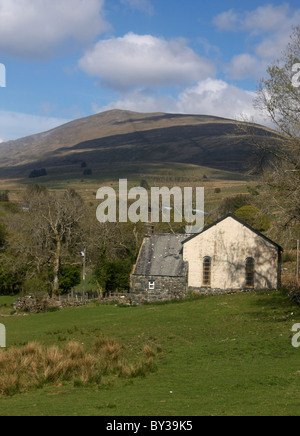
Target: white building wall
<point>229,244</point>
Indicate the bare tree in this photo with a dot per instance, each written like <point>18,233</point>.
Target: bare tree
<point>52,230</point>
<point>279,98</point>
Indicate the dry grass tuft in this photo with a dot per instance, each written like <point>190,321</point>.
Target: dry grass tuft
<point>33,366</point>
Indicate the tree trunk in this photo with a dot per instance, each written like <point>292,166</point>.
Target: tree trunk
<point>57,265</point>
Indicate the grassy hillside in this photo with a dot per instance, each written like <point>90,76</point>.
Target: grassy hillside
<point>223,355</point>
<point>117,138</point>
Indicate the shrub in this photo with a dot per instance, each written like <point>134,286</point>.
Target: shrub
<point>69,277</point>
<point>4,197</point>
<point>231,204</point>
<point>254,218</point>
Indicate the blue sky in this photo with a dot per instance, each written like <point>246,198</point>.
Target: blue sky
<point>67,59</point>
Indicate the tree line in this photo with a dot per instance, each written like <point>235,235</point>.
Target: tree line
<point>40,245</point>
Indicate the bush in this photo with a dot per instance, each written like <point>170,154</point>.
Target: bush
<point>10,282</point>
<point>293,291</point>
<point>69,277</point>
<point>231,204</point>
<point>254,218</point>
<point>4,197</point>
<point>289,257</point>
<point>38,284</point>
<point>114,275</point>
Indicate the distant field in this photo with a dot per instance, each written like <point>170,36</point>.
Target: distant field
<point>224,355</point>
<point>157,175</point>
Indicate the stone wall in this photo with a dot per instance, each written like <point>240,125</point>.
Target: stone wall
<point>32,304</point>
<point>166,289</point>
<point>210,291</point>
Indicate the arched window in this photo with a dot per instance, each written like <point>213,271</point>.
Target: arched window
<point>207,272</point>
<point>250,272</point>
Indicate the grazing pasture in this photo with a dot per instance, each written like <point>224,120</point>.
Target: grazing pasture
<point>223,355</point>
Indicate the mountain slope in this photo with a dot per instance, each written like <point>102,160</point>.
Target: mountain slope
<point>122,136</point>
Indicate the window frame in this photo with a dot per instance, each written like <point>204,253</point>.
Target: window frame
<point>207,272</point>
<point>151,285</point>
<point>250,273</point>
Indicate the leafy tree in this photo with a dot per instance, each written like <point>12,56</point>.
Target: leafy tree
<point>69,277</point>
<point>8,284</point>
<point>12,274</point>
<point>253,217</point>
<point>113,274</point>
<point>231,204</point>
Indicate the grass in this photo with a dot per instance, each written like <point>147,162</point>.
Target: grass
<point>223,355</point>
<point>33,366</point>
<point>157,175</point>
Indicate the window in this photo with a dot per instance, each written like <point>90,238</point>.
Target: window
<point>151,286</point>
<point>207,272</point>
<point>250,272</point>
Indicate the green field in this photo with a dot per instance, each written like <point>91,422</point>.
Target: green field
<point>223,355</point>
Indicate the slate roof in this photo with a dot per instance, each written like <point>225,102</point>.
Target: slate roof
<point>161,255</point>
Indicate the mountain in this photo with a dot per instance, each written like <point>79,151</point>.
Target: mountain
<point>120,137</point>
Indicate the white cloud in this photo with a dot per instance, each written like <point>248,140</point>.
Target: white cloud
<point>140,101</point>
<point>216,97</point>
<point>141,5</point>
<point>144,60</point>
<point>226,20</point>
<point>14,125</point>
<point>38,28</point>
<point>208,97</point>
<point>246,66</point>
<point>269,28</point>
<point>268,18</point>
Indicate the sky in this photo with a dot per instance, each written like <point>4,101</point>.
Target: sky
<point>68,59</point>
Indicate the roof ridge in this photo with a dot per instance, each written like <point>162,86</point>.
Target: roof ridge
<point>231,215</point>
